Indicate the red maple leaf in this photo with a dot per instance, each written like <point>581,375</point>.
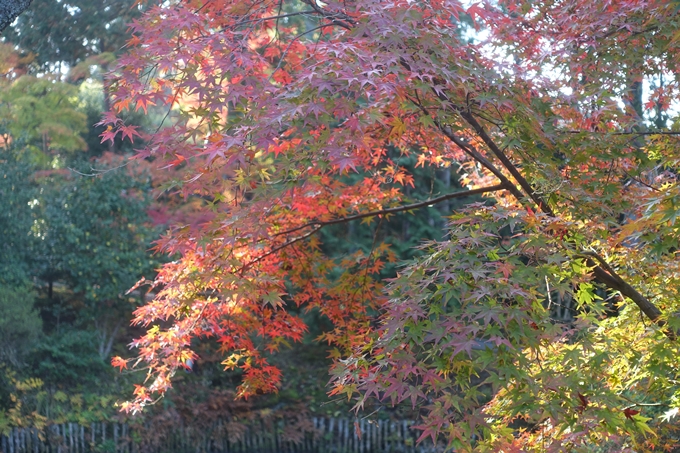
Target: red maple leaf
<point>629,412</point>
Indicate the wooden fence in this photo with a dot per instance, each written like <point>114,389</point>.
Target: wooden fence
<point>324,435</point>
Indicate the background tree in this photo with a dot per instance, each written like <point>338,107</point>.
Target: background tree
<point>68,32</point>
<point>18,192</point>
<point>10,9</point>
<point>96,240</point>
<point>21,324</point>
<point>44,114</point>
<point>72,243</point>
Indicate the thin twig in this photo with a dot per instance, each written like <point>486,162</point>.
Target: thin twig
<point>277,248</point>
<point>285,52</point>
<point>408,207</point>
<point>639,181</point>
<point>98,172</point>
<point>636,134</point>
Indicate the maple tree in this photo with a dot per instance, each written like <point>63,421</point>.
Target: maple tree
<point>270,103</point>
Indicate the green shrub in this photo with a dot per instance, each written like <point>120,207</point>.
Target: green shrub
<point>20,324</point>
<point>68,358</point>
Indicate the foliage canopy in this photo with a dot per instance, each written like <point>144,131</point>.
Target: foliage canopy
<point>274,102</point>
<point>69,32</point>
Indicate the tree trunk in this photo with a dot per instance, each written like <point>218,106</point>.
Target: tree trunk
<point>106,338</point>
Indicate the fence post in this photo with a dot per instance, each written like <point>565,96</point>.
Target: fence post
<point>341,440</point>
<point>317,431</point>
<point>345,434</point>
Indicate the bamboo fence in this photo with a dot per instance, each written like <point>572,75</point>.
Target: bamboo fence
<point>328,435</point>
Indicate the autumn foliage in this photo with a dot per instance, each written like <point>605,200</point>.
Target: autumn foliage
<point>560,112</point>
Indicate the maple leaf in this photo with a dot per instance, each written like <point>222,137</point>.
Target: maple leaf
<point>629,413</point>
<point>119,362</point>
<point>122,104</point>
<point>282,77</point>
<point>128,131</point>
<point>345,163</point>
<point>398,128</point>
<point>108,134</point>
<point>505,268</point>
<point>583,402</point>
<point>475,11</point>
<point>142,101</point>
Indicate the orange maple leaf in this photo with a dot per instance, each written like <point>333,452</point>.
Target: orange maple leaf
<point>119,362</point>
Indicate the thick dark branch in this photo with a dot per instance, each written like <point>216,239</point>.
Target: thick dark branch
<point>10,10</point>
<point>602,271</point>
<point>615,282</point>
<point>607,275</point>
<point>396,209</point>
<point>469,149</point>
<point>467,115</point>
<point>413,206</point>
<point>639,181</point>
<point>610,279</point>
<point>472,121</point>
<point>507,163</point>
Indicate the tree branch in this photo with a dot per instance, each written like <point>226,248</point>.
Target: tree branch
<point>279,16</point>
<point>602,271</point>
<point>607,275</point>
<point>408,207</point>
<point>339,19</point>
<point>641,133</point>
<point>277,248</point>
<point>507,163</point>
<point>318,225</point>
<point>468,148</point>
